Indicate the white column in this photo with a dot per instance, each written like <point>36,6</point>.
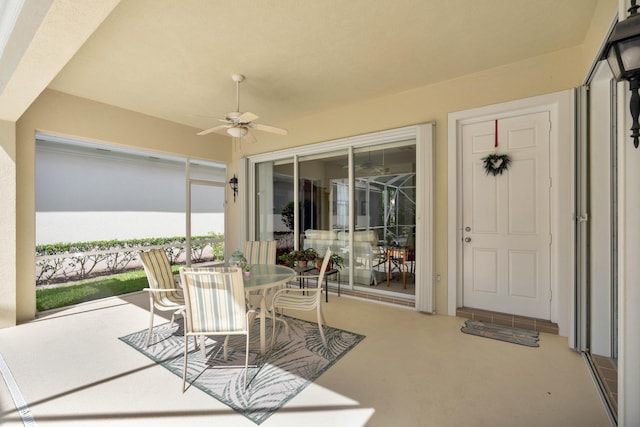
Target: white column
<point>8,226</point>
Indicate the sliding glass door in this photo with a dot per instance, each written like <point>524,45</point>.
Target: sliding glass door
<point>597,233</point>
<point>385,204</point>
<point>324,205</point>
<point>318,194</point>
<point>274,195</point>
<point>358,197</point>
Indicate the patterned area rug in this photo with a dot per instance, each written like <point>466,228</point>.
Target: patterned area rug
<point>273,379</point>
<point>502,333</point>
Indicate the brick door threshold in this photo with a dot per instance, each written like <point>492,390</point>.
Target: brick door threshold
<point>511,320</point>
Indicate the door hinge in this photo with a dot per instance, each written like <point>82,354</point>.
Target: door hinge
<point>550,294</point>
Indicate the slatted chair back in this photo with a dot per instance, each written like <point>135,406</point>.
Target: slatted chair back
<point>164,293</point>
<point>215,300</point>
<point>260,252</point>
<point>159,275</point>
<point>215,305</point>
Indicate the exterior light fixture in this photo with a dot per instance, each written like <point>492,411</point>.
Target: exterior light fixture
<point>622,52</point>
<point>237,131</point>
<point>233,183</point>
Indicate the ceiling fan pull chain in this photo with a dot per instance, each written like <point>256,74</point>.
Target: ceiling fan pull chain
<point>237,95</point>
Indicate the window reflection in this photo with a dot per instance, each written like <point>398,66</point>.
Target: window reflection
<point>383,209</point>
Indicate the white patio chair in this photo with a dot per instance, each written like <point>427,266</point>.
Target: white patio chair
<point>215,305</point>
<point>260,252</point>
<point>305,299</point>
<point>163,291</point>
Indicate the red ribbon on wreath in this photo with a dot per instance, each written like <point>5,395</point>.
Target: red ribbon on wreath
<point>496,143</point>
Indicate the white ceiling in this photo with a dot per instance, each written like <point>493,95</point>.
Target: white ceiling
<point>174,59</point>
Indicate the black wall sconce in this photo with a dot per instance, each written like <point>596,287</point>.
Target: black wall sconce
<point>233,183</point>
<point>622,52</point>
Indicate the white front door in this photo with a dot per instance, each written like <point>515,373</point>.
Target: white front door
<point>506,218</point>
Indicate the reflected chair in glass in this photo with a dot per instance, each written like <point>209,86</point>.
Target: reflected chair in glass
<point>164,293</point>
<point>305,299</point>
<point>215,305</point>
<point>398,258</point>
<point>411,254</point>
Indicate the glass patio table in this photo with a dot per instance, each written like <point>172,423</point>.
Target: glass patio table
<point>262,278</point>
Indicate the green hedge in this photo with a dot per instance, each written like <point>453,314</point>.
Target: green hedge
<point>72,264</point>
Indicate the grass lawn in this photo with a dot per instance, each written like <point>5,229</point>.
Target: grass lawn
<point>91,289</point>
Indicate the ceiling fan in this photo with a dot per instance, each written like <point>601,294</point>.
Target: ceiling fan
<point>238,124</point>
<point>370,166</point>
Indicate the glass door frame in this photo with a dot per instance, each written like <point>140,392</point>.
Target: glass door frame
<point>190,182</point>
<point>589,296</point>
<point>423,134</point>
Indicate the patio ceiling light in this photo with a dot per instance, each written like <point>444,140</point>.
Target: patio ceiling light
<point>237,131</point>
<point>622,52</point>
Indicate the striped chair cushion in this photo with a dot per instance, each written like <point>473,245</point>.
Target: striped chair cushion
<point>215,300</point>
<point>294,299</point>
<point>159,274</point>
<point>260,252</point>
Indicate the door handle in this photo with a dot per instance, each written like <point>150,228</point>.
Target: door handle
<point>467,239</point>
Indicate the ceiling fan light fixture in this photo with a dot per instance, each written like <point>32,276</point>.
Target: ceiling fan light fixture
<point>238,123</point>
<point>237,131</point>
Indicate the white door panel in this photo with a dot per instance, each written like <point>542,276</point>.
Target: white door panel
<point>506,226</point>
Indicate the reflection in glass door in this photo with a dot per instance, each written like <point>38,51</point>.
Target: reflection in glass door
<point>597,230</point>
<point>274,202</point>
<point>385,209</point>
<point>359,197</point>
<point>324,207</point>
<point>367,218</point>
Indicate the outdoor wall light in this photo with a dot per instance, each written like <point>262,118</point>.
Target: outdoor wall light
<point>233,183</point>
<point>622,52</point>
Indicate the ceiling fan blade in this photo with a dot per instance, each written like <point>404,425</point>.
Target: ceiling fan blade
<point>271,129</point>
<point>247,117</point>
<point>213,129</point>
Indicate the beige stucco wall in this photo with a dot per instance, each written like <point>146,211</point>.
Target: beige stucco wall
<point>66,115</point>
<point>59,114</point>
<point>550,73</point>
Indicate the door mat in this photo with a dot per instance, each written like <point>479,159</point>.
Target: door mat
<point>501,333</point>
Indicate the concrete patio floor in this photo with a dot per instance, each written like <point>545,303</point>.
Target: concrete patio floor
<point>412,369</point>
